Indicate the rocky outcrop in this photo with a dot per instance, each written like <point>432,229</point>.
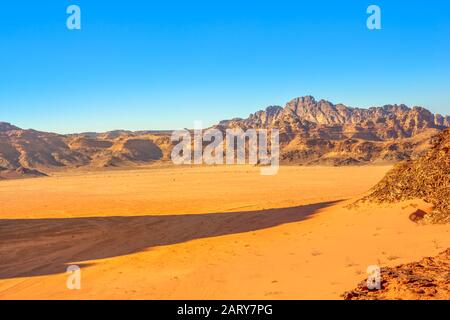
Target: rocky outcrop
<point>4,126</point>
<point>320,132</point>
<point>428,279</point>
<point>387,122</point>
<point>427,178</point>
<point>440,120</point>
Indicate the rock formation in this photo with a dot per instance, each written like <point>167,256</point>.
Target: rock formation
<point>428,279</point>
<point>427,178</point>
<point>311,132</point>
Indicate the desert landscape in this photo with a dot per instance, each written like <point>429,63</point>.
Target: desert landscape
<point>186,151</point>
<point>312,132</point>
<point>357,187</point>
<point>174,233</point>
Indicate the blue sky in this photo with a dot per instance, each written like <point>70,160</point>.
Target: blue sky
<point>163,64</point>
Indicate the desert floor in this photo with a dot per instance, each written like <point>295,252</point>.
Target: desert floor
<point>202,233</point>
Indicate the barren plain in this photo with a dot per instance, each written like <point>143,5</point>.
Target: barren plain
<point>222,232</point>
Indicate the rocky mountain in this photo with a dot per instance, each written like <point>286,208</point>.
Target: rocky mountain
<point>319,132</point>
<point>311,132</point>
<point>4,126</point>
<point>389,121</point>
<point>427,178</point>
<point>33,153</point>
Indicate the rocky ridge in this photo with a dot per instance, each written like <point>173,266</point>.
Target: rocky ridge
<point>311,132</point>
<point>427,178</point>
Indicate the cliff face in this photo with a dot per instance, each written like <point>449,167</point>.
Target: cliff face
<point>387,122</point>
<point>319,132</point>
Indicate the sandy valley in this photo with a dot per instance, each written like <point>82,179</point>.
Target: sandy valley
<point>203,233</point>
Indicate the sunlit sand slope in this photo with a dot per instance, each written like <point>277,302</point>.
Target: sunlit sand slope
<point>202,232</point>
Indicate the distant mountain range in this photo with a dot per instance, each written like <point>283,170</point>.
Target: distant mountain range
<point>311,132</point>
<point>319,132</point>
<point>389,121</point>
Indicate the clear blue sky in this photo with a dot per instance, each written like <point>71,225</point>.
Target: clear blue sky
<point>163,64</point>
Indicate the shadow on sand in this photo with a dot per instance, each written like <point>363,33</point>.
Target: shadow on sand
<point>35,247</point>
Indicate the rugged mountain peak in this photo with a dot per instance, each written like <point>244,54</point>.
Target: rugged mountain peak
<point>264,118</point>
<point>399,108</point>
<point>273,110</point>
<point>320,112</point>
<point>5,126</point>
<point>318,131</point>
<point>391,121</point>
<point>442,121</point>
<point>300,104</point>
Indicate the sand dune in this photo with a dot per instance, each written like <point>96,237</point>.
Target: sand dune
<point>203,232</point>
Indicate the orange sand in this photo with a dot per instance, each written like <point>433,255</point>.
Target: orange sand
<point>202,233</point>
